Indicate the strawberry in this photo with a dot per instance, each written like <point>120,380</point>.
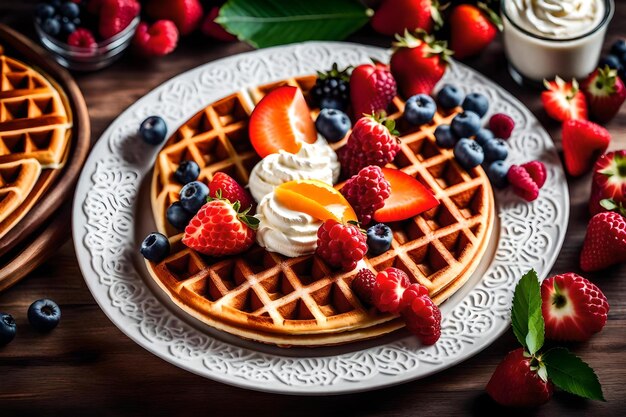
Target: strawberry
<point>158,39</point>
<point>516,382</point>
<point>605,242</point>
<point>583,142</point>
<point>564,101</point>
<point>418,62</point>
<point>608,181</point>
<point>224,186</point>
<point>408,197</point>
<point>573,308</point>
<point>396,16</point>
<point>219,229</point>
<point>212,29</point>
<point>186,14</point>
<point>372,87</point>
<point>389,289</point>
<point>472,29</point>
<point>116,15</point>
<point>281,120</point>
<point>605,93</point>
<point>371,142</point>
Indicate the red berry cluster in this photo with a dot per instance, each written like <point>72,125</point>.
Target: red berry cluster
<point>341,245</point>
<point>391,292</point>
<point>366,192</point>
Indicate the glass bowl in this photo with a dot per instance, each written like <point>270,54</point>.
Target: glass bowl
<point>103,54</point>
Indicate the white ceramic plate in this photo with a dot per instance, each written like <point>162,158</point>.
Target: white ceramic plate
<point>111,215</point>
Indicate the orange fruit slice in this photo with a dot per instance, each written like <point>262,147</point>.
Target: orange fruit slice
<point>315,198</point>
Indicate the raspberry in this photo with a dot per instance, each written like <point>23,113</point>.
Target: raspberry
<point>370,143</point>
<point>527,179</point>
<point>363,285</point>
<point>186,14</point>
<point>340,245</point>
<point>501,125</point>
<point>389,288</point>
<point>537,171</point>
<point>157,40</point>
<point>230,190</point>
<point>116,15</point>
<point>366,192</point>
<point>422,316</point>
<point>82,38</point>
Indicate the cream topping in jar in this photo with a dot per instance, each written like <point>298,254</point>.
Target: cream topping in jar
<point>556,18</point>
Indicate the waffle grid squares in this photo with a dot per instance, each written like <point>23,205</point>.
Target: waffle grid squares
<point>265,293</point>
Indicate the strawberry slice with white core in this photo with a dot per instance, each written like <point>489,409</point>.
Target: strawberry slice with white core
<point>564,100</point>
<point>281,120</point>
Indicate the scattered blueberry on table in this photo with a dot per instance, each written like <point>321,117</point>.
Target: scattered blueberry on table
<point>8,328</point>
<point>44,315</point>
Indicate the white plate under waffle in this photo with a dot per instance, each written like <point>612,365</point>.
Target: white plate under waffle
<point>112,214</point>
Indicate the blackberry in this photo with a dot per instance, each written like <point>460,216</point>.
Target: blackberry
<point>332,89</point>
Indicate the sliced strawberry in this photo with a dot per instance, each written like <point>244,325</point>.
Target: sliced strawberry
<point>564,101</point>
<point>281,120</point>
<point>408,197</point>
<point>583,142</point>
<point>573,307</point>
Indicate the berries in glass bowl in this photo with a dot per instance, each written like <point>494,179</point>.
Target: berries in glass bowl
<point>86,35</point>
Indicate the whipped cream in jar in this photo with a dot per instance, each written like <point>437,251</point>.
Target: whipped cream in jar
<point>546,38</point>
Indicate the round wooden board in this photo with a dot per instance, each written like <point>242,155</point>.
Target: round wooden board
<point>30,242</point>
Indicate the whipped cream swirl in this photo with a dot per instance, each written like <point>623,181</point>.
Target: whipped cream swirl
<point>288,232</point>
<point>315,161</point>
<point>556,18</point>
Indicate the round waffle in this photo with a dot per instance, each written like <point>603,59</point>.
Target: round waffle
<point>35,122</point>
<point>270,298</point>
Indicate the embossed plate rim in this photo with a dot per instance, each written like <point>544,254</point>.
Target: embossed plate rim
<point>103,230</point>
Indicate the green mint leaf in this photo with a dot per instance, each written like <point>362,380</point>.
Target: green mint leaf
<point>526,317</point>
<point>568,372</point>
<point>264,23</point>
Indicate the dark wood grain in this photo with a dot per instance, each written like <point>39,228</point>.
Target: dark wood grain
<point>88,367</point>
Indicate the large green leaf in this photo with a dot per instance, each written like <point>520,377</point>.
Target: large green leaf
<point>265,23</point>
<point>526,317</point>
<point>568,372</point>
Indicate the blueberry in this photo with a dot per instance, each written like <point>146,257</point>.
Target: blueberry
<point>465,124</point>
<point>67,28</point>
<point>495,150</point>
<point>333,124</point>
<point>477,103</point>
<point>484,135</point>
<point>186,172</point>
<point>612,61</point>
<point>379,238</point>
<point>55,3</point>
<point>44,11</point>
<point>69,9</point>
<point>497,174</point>
<point>444,137</point>
<point>51,26</point>
<point>44,315</point>
<point>155,247</point>
<point>193,196</point>
<point>619,47</point>
<point>332,103</point>
<point>8,328</point>
<point>178,216</point>
<point>153,130</point>
<point>468,153</point>
<point>419,109</point>
<point>449,97</point>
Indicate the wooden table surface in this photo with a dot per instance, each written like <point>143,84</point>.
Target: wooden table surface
<point>88,367</point>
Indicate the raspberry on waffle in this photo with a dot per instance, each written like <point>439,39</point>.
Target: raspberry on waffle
<point>271,298</point>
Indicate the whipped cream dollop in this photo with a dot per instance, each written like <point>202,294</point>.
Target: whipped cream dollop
<point>556,18</point>
<point>315,161</point>
<point>285,231</point>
